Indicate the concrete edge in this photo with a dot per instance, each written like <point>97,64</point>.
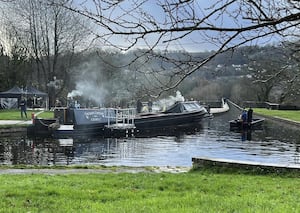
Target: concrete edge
<point>202,162</point>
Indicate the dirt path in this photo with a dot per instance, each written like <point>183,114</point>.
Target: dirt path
<point>95,171</point>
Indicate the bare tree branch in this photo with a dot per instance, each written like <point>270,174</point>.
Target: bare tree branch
<point>225,24</point>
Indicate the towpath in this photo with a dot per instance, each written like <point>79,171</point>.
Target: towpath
<point>15,122</point>
<point>167,169</point>
<point>274,118</point>
<point>18,122</point>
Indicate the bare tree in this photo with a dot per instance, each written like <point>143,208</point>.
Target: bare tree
<point>291,84</point>
<point>13,62</point>
<point>267,68</point>
<point>51,36</point>
<point>165,24</point>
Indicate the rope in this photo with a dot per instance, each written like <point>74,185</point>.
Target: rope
<point>234,104</point>
<point>41,122</point>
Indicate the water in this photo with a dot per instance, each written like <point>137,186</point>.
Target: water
<point>275,143</point>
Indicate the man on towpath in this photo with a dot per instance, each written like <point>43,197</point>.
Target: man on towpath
<point>23,108</point>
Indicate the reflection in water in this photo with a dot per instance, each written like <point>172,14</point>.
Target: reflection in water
<point>246,135</point>
<point>274,144</point>
<point>37,152</point>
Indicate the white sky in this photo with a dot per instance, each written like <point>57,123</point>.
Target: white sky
<point>195,41</point>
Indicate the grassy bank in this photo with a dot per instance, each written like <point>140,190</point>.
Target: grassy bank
<point>13,114</point>
<point>16,115</point>
<point>149,192</point>
<point>288,114</point>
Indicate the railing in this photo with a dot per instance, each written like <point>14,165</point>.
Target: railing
<point>121,118</point>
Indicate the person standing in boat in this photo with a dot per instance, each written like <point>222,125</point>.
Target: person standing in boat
<point>149,106</point>
<point>249,115</point>
<point>57,103</point>
<point>139,106</point>
<point>244,116</point>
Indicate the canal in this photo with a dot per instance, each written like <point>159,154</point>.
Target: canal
<point>274,143</point>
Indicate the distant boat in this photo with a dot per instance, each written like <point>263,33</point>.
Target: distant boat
<point>224,108</point>
<point>179,114</point>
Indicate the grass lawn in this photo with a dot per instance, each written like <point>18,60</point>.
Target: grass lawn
<point>288,114</point>
<point>195,191</point>
<point>14,114</point>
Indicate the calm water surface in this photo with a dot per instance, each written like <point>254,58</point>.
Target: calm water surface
<point>275,143</point>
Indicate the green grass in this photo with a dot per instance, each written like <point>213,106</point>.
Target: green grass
<point>16,114</point>
<point>288,114</point>
<point>149,192</point>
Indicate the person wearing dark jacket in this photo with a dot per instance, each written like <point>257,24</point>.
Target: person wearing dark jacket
<point>23,108</point>
<point>139,106</point>
<point>149,106</point>
<point>249,115</point>
<point>244,116</point>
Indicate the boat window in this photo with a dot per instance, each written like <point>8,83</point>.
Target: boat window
<point>191,106</point>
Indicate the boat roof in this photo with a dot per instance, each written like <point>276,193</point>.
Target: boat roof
<point>184,106</point>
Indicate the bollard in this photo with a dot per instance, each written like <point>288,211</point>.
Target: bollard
<point>32,117</point>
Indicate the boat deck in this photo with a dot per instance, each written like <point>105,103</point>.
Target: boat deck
<point>120,126</point>
<point>66,127</point>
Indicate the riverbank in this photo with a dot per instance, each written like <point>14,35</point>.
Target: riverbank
<point>13,126</point>
<point>10,118</point>
<point>146,189</point>
<point>280,119</point>
<point>63,170</point>
<point>291,117</point>
<point>195,191</point>
<point>11,122</point>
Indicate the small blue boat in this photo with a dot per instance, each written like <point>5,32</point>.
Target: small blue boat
<point>239,125</point>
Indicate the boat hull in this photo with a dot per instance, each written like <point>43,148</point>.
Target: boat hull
<point>93,123</point>
<point>168,120</point>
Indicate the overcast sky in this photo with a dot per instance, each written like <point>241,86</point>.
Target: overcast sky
<point>193,42</point>
<point>196,41</point>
